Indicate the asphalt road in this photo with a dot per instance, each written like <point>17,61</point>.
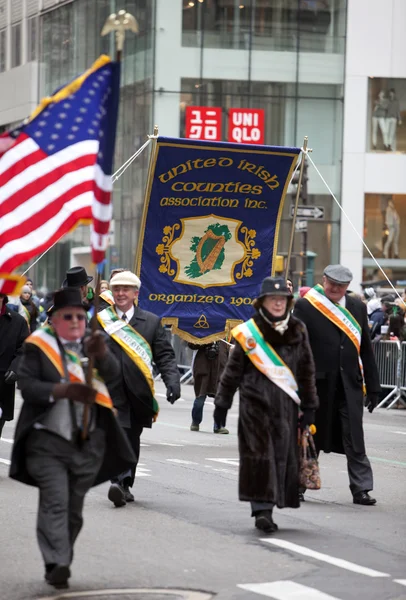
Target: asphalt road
<point>188,531</point>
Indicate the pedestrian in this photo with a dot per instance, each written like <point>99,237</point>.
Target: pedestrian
<point>209,361</point>
<point>50,451</point>
<point>137,339</point>
<point>272,365</point>
<point>78,278</point>
<point>34,297</point>
<point>13,331</point>
<point>27,308</point>
<point>104,285</point>
<point>289,283</point>
<point>345,365</point>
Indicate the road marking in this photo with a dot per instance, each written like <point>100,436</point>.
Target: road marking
<point>399,432</point>
<point>388,461</point>
<point>178,461</point>
<point>4,461</point>
<point>142,471</point>
<point>8,441</point>
<point>221,470</point>
<point>338,562</point>
<point>286,590</point>
<point>401,581</point>
<point>168,444</point>
<point>227,461</point>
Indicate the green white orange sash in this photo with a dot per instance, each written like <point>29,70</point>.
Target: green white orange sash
<point>45,339</point>
<point>24,312</point>
<point>133,344</point>
<point>107,296</point>
<point>265,359</point>
<point>337,314</point>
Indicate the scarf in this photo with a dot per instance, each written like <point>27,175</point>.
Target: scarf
<point>279,326</point>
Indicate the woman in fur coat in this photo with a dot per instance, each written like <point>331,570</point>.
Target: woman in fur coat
<point>272,365</point>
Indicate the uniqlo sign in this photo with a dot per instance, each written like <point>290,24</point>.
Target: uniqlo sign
<point>203,123</point>
<point>246,125</point>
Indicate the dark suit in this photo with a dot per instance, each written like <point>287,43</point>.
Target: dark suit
<point>340,386</point>
<point>130,392</point>
<point>64,471</point>
<point>13,331</point>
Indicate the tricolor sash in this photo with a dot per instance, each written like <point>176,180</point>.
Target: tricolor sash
<point>337,314</point>
<point>133,344</point>
<point>265,358</point>
<point>45,339</point>
<point>24,312</point>
<point>107,296</point>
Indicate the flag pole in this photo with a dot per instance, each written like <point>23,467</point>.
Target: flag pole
<point>150,176</point>
<point>119,23</point>
<point>292,233</point>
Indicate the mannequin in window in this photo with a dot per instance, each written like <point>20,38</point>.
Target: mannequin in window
<point>393,224</point>
<point>393,119</point>
<point>379,118</point>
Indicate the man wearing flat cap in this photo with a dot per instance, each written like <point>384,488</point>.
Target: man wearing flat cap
<point>337,323</point>
<point>137,339</point>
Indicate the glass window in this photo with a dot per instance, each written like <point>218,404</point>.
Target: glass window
<point>3,39</point>
<point>16,45</point>
<point>386,131</point>
<point>308,25</point>
<point>32,38</point>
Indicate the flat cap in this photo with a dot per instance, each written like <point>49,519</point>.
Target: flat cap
<point>125,278</point>
<point>338,274</point>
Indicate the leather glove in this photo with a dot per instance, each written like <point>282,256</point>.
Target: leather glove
<point>172,394</point>
<point>10,377</point>
<point>220,416</point>
<point>371,402</point>
<point>77,392</point>
<point>308,418</point>
<point>95,345</point>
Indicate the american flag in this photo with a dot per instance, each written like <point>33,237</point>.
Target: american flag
<point>55,169</point>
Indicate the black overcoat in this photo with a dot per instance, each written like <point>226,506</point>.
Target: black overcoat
<point>207,371</point>
<point>268,417</point>
<point>13,331</point>
<point>37,377</point>
<point>336,360</point>
<point>131,389</point>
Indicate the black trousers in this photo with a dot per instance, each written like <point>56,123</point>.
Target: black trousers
<point>134,437</point>
<point>64,472</point>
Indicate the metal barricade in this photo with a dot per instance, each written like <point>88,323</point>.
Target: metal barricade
<point>402,383</point>
<point>388,356</point>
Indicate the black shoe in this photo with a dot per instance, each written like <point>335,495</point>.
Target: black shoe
<point>117,495</point>
<point>58,576</point>
<point>264,521</point>
<point>128,495</point>
<point>363,498</point>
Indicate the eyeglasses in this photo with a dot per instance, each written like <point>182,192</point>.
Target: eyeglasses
<point>70,317</point>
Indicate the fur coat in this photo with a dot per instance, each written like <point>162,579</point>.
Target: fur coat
<point>268,417</point>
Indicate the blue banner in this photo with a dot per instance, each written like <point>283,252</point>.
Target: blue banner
<point>209,232</point>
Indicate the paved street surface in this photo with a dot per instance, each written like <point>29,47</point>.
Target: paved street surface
<point>188,531</point>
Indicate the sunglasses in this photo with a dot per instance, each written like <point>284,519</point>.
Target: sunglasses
<point>70,317</point>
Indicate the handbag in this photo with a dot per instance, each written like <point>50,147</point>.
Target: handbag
<point>309,472</point>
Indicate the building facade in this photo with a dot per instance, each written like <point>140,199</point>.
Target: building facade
<point>286,57</point>
<point>374,151</point>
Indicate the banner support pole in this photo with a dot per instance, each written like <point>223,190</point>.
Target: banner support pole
<point>148,186</point>
<point>299,186</point>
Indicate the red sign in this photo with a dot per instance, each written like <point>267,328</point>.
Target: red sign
<point>246,125</point>
<point>203,123</point>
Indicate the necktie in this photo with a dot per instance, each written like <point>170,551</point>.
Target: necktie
<point>124,317</point>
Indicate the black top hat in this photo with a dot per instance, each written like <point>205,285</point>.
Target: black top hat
<point>68,296</point>
<point>274,286</point>
<point>76,277</point>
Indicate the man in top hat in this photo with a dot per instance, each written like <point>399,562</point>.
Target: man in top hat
<point>76,277</point>
<point>67,437</point>
<point>338,329</point>
<point>137,339</point>
<point>13,331</point>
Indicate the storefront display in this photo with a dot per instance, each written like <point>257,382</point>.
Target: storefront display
<point>386,115</point>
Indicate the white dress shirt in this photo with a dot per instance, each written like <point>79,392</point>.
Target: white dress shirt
<point>129,314</point>
<point>342,302</point>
